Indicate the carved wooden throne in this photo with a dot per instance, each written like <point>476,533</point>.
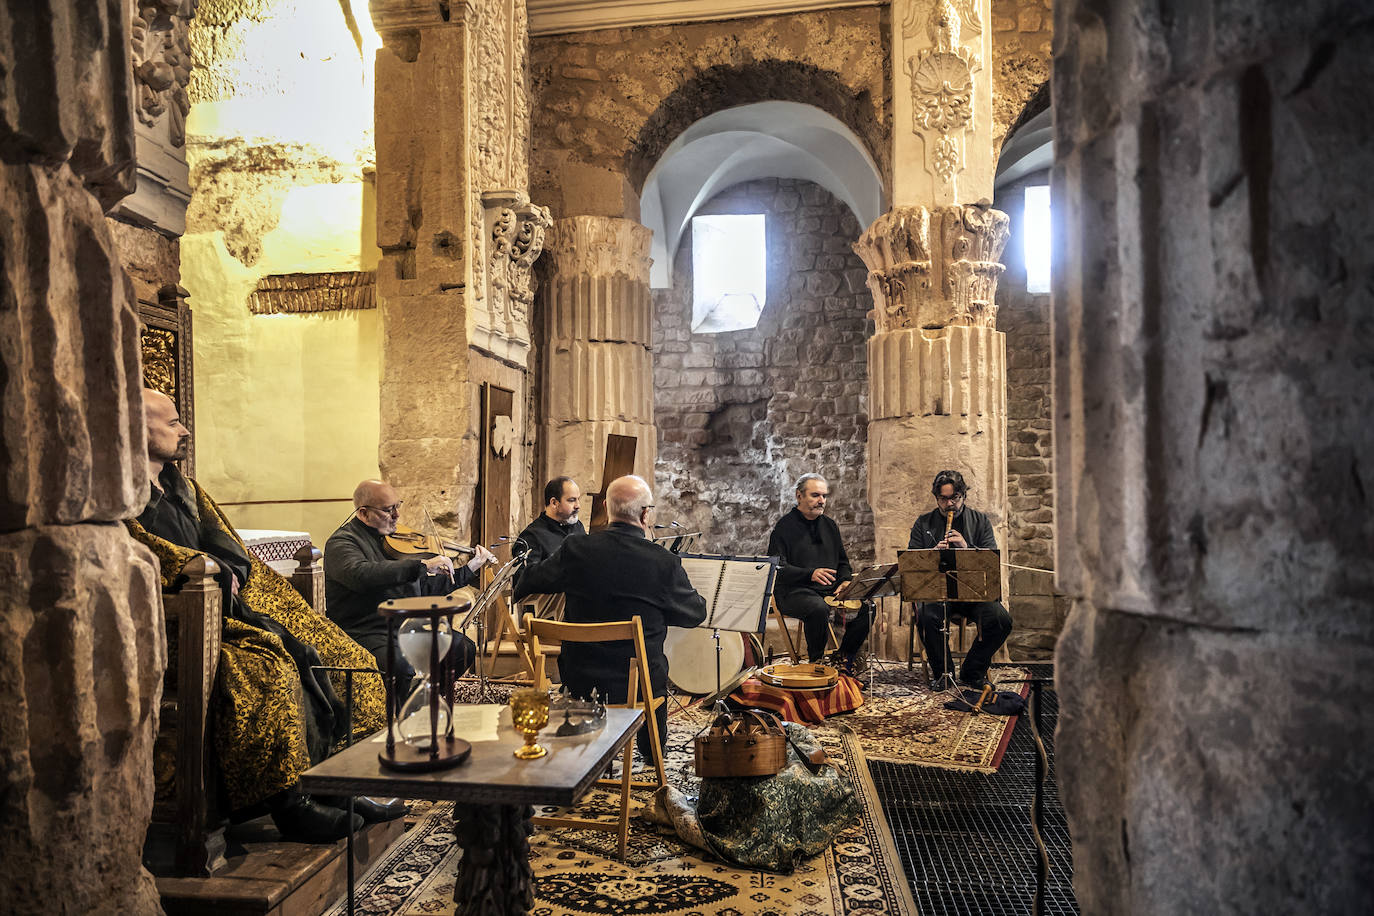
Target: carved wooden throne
<point>189,821</point>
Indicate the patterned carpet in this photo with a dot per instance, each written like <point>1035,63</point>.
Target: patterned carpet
<point>902,721</point>
<point>576,872</point>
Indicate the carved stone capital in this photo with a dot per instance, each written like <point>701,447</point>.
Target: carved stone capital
<point>390,16</point>
<point>159,37</point>
<point>934,268</point>
<point>599,246</point>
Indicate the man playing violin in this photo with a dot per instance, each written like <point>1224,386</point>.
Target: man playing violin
<point>953,525</point>
<point>815,567</point>
<point>360,574</point>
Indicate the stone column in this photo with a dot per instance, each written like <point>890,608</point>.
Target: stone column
<point>1213,395</point>
<point>936,367</point>
<point>84,648</point>
<point>936,363</point>
<point>599,369</point>
<point>428,444</point>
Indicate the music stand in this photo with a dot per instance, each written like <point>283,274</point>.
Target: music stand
<point>952,575</point>
<point>869,584</point>
<point>736,590</point>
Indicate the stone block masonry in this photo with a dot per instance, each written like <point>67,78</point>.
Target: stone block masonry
<point>742,414</point>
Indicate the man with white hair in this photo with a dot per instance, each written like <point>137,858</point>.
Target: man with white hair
<point>615,574</point>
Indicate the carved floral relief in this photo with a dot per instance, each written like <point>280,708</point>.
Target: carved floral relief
<point>160,40</point>
<point>941,79</point>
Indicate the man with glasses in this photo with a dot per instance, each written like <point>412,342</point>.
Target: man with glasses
<point>953,525</point>
<point>359,574</point>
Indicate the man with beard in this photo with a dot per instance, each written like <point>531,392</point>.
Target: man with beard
<point>359,574</point>
<point>814,566</point>
<point>543,536</point>
<point>953,525</point>
<point>272,716</point>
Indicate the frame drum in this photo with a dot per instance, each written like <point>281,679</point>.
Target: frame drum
<point>692,658</point>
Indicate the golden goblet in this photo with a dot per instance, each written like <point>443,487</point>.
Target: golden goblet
<point>529,712</point>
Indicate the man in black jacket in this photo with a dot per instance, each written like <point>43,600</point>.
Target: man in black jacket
<point>814,565</point>
<point>970,528</point>
<point>613,575</point>
<point>543,536</point>
<point>359,575</point>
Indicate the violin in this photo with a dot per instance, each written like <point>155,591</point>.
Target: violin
<point>409,544</point>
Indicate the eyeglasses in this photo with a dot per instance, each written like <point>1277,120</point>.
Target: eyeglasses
<point>647,508</point>
<point>949,499</point>
<point>387,510</point>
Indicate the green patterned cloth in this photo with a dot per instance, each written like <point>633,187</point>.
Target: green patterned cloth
<point>769,822</point>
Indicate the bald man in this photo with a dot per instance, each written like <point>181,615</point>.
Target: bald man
<point>615,574</point>
<point>273,715</point>
<point>359,575</point>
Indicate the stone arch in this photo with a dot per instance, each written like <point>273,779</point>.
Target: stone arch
<point>728,86</point>
<point>758,140</point>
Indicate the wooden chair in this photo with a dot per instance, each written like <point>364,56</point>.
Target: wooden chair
<point>631,630</point>
<point>191,817</point>
<point>962,634</point>
<point>793,640</point>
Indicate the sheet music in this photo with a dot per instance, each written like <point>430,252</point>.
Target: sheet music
<point>736,590</point>
<point>704,574</point>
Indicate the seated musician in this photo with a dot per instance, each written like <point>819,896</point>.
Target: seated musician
<point>543,536</point>
<point>951,524</point>
<point>360,574</point>
<point>272,716</point>
<point>814,567</point>
<point>613,575</point>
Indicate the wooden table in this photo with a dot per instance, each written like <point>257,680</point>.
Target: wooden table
<point>494,795</point>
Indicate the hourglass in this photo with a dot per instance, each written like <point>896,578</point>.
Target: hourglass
<point>419,731</point>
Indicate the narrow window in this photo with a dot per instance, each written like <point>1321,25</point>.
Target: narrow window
<point>1035,233</point>
<point>729,275</point>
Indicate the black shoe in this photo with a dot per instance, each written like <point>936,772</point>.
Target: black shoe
<point>304,820</point>
<point>371,811</point>
<point>973,683</point>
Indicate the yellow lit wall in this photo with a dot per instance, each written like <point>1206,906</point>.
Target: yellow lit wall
<point>279,143</point>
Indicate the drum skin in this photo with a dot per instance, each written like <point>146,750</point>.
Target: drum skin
<point>692,658</point>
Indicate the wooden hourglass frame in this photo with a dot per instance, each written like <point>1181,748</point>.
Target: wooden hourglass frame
<point>444,750</point>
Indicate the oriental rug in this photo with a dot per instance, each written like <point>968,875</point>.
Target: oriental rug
<point>576,872</point>
<point>903,721</point>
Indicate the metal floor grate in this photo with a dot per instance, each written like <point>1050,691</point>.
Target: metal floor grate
<point>965,838</point>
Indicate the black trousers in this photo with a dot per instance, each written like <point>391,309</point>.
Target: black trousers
<point>994,626</point>
<point>617,690</point>
<point>811,609</point>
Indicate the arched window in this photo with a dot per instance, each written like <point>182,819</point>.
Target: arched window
<point>729,272</point>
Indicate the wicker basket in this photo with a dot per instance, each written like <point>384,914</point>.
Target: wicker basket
<point>749,743</point>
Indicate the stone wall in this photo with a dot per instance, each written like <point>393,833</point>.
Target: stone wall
<point>1214,389</point>
<point>84,649</point>
<point>607,103</point>
<point>279,142</point>
<point>743,414</point>
<point>1022,33</point>
<point>1024,317</point>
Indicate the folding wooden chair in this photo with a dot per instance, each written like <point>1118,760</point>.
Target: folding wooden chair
<point>798,638</point>
<point>631,630</point>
